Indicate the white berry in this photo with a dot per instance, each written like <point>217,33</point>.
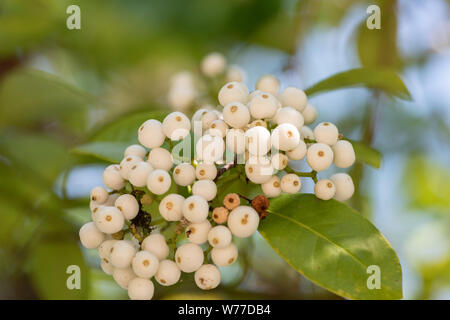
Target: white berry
<point>126,164</point>
<point>279,161</point>
<point>168,273</point>
<point>268,83</point>
<point>235,73</point>
<point>107,267</point>
<point>306,133</point>
<point>210,148</point>
<point>139,173</point>
<point>112,178</point>
<point>207,277</point>
<point>189,257</point>
<point>150,134</point>
<point>140,289</point>
<point>160,158</point>
<point>213,64</point>
<point>236,114</point>
<point>206,171</point>
<point>233,92</point>
<point>170,207</point>
<point>289,115</point>
<point>344,186</point>
<point>235,140</point>
<point>104,250</point>
<point>198,232</point>
<point>195,209</point>
<point>224,257</point>
<point>219,237</point>
<point>128,205</point>
<point>208,118</point>
<point>135,150</point>
<point>176,126</point>
<point>327,133</point>
<point>243,221</point>
<point>298,152</point>
<point>258,169</point>
<point>258,140</point>
<point>290,183</point>
<point>145,264</point>
<point>285,137</point>
<point>122,254</point>
<point>272,188</point>
<point>109,220</point>
<point>205,188</point>
<point>263,106</point>
<point>344,154</point>
<point>319,156</point>
<point>99,195</point>
<point>156,243</point>
<point>324,189</point>
<point>90,236</point>
<point>123,276</point>
<point>293,97</point>
<point>184,174</point>
<point>309,114</point>
<point>158,181</point>
<point>218,128</point>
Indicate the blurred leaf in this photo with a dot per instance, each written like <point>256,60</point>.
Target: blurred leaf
<point>427,185</point>
<point>379,79</point>
<point>366,154</point>
<point>78,215</point>
<point>29,95</point>
<point>49,262</point>
<point>105,151</point>
<point>332,245</point>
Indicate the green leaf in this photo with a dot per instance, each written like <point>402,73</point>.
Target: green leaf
<point>49,262</point>
<point>374,78</point>
<point>105,151</point>
<point>332,245</point>
<point>366,154</point>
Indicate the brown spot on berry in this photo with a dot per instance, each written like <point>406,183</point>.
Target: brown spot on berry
<point>265,96</point>
<point>177,171</point>
<point>169,205</point>
<point>250,169</point>
<point>276,184</point>
<point>230,261</point>
<point>230,86</point>
<point>290,134</point>
<point>133,167</point>
<point>94,198</point>
<point>295,183</point>
<point>320,153</point>
<point>233,109</point>
<point>231,201</point>
<point>191,206</point>
<point>329,185</point>
<point>129,159</point>
<point>202,172</point>
<point>162,281</point>
<point>178,259</point>
<point>146,263</point>
<point>108,218</point>
<point>213,125</point>
<point>106,260</point>
<point>120,208</point>
<point>215,241</point>
<point>178,118</point>
<point>326,124</point>
<point>160,178</point>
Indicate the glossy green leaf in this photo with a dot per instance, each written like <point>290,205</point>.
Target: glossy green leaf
<point>48,264</point>
<point>332,245</point>
<point>105,151</point>
<point>366,154</point>
<point>374,78</point>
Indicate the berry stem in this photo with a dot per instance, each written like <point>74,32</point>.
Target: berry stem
<point>312,174</point>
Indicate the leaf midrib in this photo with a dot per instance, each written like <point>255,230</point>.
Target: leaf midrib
<point>320,235</point>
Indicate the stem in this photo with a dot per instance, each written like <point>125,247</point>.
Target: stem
<point>312,174</point>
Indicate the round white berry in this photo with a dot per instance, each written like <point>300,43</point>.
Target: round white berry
<point>290,183</point>
<point>104,250</point>
<point>285,137</point>
<point>181,97</point>
<point>111,200</point>
<point>195,209</point>
<point>272,188</point>
<point>109,220</point>
<point>344,186</point>
<point>176,126</point>
<point>210,148</point>
<point>319,156</point>
<point>123,276</point>
<point>306,133</point>
<point>150,134</point>
<point>198,232</point>
<point>235,73</point>
<point>112,178</point>
<point>160,158</point>
<point>106,266</point>
<point>170,207</point>
<point>299,152</point>
<point>168,273</point>
<point>197,116</point>
<point>184,174</point>
<point>219,237</point>
<point>258,169</point>
<point>243,221</point>
<point>213,64</point>
<point>135,150</point>
<point>293,97</point>
<point>189,257</point>
<point>158,181</point>
<point>327,133</point>
<point>122,254</point>
<point>205,188</point>
<point>268,83</point>
<point>140,289</point>
<point>206,171</point>
<point>156,243</point>
<point>207,277</point>
<point>145,264</point>
<point>258,140</point>
<point>208,118</point>
<point>182,79</point>
<point>126,164</point>
<point>99,195</point>
<point>128,205</point>
<point>224,257</point>
<point>309,114</point>
<point>289,115</point>
<point>90,236</point>
<point>218,128</point>
<point>324,189</point>
<point>233,92</point>
<point>263,106</point>
<point>344,154</point>
<point>257,123</point>
<point>279,161</point>
<point>235,140</point>
<point>139,173</point>
<point>236,114</point>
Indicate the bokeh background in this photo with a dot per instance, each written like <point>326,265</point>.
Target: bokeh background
<point>60,88</point>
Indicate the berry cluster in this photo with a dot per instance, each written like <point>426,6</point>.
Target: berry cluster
<point>256,134</point>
